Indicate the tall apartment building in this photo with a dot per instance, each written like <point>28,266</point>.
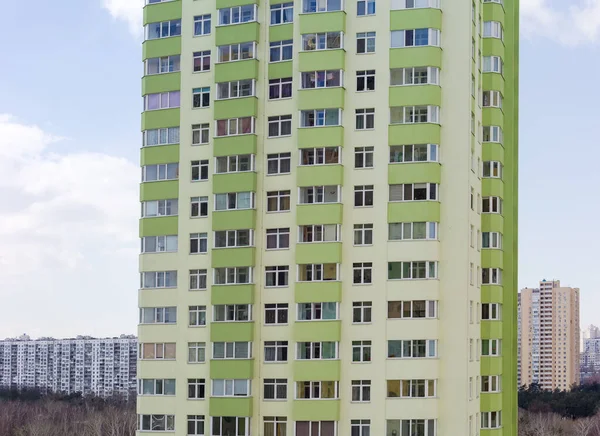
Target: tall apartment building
<point>329,218</point>
<point>103,367</point>
<point>549,336</point>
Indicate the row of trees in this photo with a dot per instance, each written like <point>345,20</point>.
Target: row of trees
<point>580,402</point>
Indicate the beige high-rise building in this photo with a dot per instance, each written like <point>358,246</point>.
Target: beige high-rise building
<point>549,336</point>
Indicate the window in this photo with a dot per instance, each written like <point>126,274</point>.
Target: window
<point>316,390</point>
<point>199,170</point>
<point>365,119</point>
<point>234,201</point>
<point>232,350</point>
<point>412,231</point>
<point>275,425</point>
<point>316,350</point>
<point>319,233</point>
<point>275,389</point>
<point>363,157</point>
<point>276,276</point>
<point>234,238</point>
<point>158,208</point>
<point>320,118</point>
<point>240,275</point>
<point>158,279</point>
<point>491,205</point>
<point>414,192</point>
<point>199,207</point>
<point>365,80</point>
<point>197,316</point>
<point>201,61</point>
<point>414,114</point>
<point>159,244</point>
<point>414,153</point>
<point>278,239</point>
<point>322,41</point>
<point>317,272</point>
<point>276,351</point>
<point>320,156</point>
<point>200,134</point>
<point>361,391</point>
<point>361,351</point>
<point>237,14</point>
<point>321,79</point>
<point>492,64</point>
<point>415,309</point>
<point>158,315</point>
<point>492,169</point>
<point>153,173</point>
<point>198,243</point>
<point>276,313</point>
<point>319,194</point>
<point>414,4</point>
<point>162,100</point>
<point>230,425</point>
<point>411,427</point>
<point>232,313</point>
<point>195,425</point>
<point>317,311</point>
<point>309,6</point>
<point>280,88</point>
<point>491,420</point>
<point>491,240</point>
<point>163,29</point>
<point>491,276</point>
<point>230,388</point>
<point>196,352</point>
<point>196,388</point>
<point>363,8</point>
<point>361,312</point>
<point>165,64</point>
<point>168,135</point>
<point>282,13</point>
<point>492,99</point>
<point>490,347</point>
<point>363,234</point>
<point>492,134</point>
<point>365,42</point>
<point>363,196</point>
<point>280,125</point>
<point>412,349</point>
<point>236,52</point>
<point>278,201</point>
<point>156,422</point>
<point>362,273</point>
<point>412,270</point>
<point>493,29</point>
<point>200,97</point>
<point>235,164</point>
<point>281,50</point>
<point>414,76</point>
<point>411,388</point>
<point>315,428</point>
<point>279,163</point>
<point>490,383</point>
<point>235,126</point>
<point>157,351</point>
<point>490,311</point>
<point>202,25</point>
<point>236,89</point>
<point>415,38</point>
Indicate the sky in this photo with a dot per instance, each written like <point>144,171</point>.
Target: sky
<point>69,170</point>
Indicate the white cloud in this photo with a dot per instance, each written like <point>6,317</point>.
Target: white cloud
<point>129,11</point>
<point>576,25</point>
<point>68,232</point>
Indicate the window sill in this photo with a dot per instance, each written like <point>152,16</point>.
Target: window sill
<point>225,248</point>
<point>321,12</point>
<point>201,71</point>
<point>234,24</point>
<point>160,74</point>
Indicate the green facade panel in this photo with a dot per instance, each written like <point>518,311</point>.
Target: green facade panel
<point>493,117</point>
<point>491,329</point>
<point>492,151</point>
<point>491,258</point>
<point>159,190</point>
<point>162,12</point>
<point>230,3</point>
<point>319,214</point>
<point>414,173</point>
<point>400,134</point>
<point>232,331</point>
<point>281,32</point>
<point>237,70</point>
<point>236,108</point>
<point>319,60</point>
<point>320,175</point>
<point>493,187</point>
<point>155,48</point>
<point>491,402</point>
<point>315,98</point>
<point>160,154</point>
<point>234,182</point>
<point>232,294</point>
<point>316,410</point>
<point>232,145</point>
<point>222,257</point>
<point>278,70</point>
<point>492,222</point>
<point>323,252</point>
<point>160,119</point>
<point>237,33</point>
<point>415,57</point>
<point>323,22</point>
<point>313,331</point>
<point>310,137</point>
<point>230,406</point>
<point>415,95</point>
<point>493,12</point>
<point>161,83</point>
<point>232,368</point>
<point>159,226</point>
<point>416,19</point>
<point>317,292</point>
<point>317,370</point>
<point>493,82</point>
<point>492,294</point>
<point>234,220</point>
<point>491,365</point>
<point>493,47</point>
<point>414,211</point>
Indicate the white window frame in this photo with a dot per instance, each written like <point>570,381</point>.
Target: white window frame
<point>492,64</point>
<point>279,197</point>
<point>431,192</point>
<point>233,90</point>
<point>361,347</point>
<point>494,311</point>
<point>196,316</point>
<point>200,241</point>
<point>431,269</point>
<point>318,156</point>
<point>413,386</point>
<point>234,272</point>
<point>161,25</point>
<point>491,276</point>
<point>198,423</point>
<point>200,134</point>
<point>162,172</point>
<point>277,309</point>
<point>237,200</point>
<point>203,20</point>
<point>166,133</point>
<point>491,420</point>
<point>315,350</point>
<point>306,9</point>
<point>163,244</point>
<point>432,76</point>
<point>199,352</point>
<point>199,170</point>
<point>491,98</point>
<point>278,233</point>
<point>367,38</point>
<point>161,315</point>
<point>494,241</point>
<point>320,117</point>
<point>491,205</point>
<point>198,95</point>
<point>432,150</point>
<point>363,157</point>
<point>363,390</point>
<point>362,273</point>
<point>151,424</point>
<point>279,159</point>
<point>240,15</point>
<point>229,387</point>
<point>276,346</point>
<point>281,46</point>
<point>407,231</point>
<point>202,55</point>
<point>403,38</point>
<point>415,114</point>
<point>316,311</point>
<point>364,119</point>
<point>320,41</point>
<point>281,121</point>
<point>238,49</point>
<point>363,233</point>
<point>281,276</point>
<point>317,270</point>
<point>232,238</point>
<point>493,382</point>
<point>234,162</point>
<point>430,345</point>
<point>431,309</point>
<point>233,312</point>
<point>198,201</point>
<point>366,195</point>
<point>494,347</point>
<point>491,169</point>
<point>164,64</point>
<point>362,311</point>
<point>238,420</point>
<point>492,134</point>
<point>164,100</point>
<point>280,10</point>
<point>160,279</point>
<point>492,29</point>
<point>318,233</point>
<point>275,383</point>
<point>169,207</point>
<point>305,78</point>
<point>197,384</point>
<point>317,193</point>
<point>238,127</point>
<point>280,84</point>
<point>230,348</point>
<point>315,390</point>
<point>158,387</point>
<point>427,424</point>
<point>414,4</point>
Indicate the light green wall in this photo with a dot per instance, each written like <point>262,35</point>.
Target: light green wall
<point>238,33</point>
<point>322,60</point>
<point>320,175</point>
<point>326,252</point>
<point>232,369</point>
<point>238,70</point>
<point>316,370</point>
<point>159,154</point>
<point>159,190</point>
<point>413,211</point>
<point>416,19</point>
<point>162,12</point>
<point>230,406</point>
<point>232,145</point>
<point>317,292</point>
<point>319,214</point>
<point>236,108</point>
<point>161,47</point>
<point>320,137</point>
<point>234,182</point>
<point>414,173</point>
<point>316,410</point>
<point>232,331</point>
<point>314,98</point>
<point>400,134</point>
<point>234,219</point>
<point>330,22</point>
<point>232,294</point>
<point>161,83</point>
<point>158,226</point>
<point>222,257</point>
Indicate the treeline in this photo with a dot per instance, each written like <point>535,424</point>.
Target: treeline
<point>32,413</point>
<point>579,402</point>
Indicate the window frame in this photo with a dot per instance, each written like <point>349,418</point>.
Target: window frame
<point>236,273</point>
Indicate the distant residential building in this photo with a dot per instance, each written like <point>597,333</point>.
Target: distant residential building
<point>590,332</point>
<point>103,367</point>
<point>548,319</point>
<point>590,354</point>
